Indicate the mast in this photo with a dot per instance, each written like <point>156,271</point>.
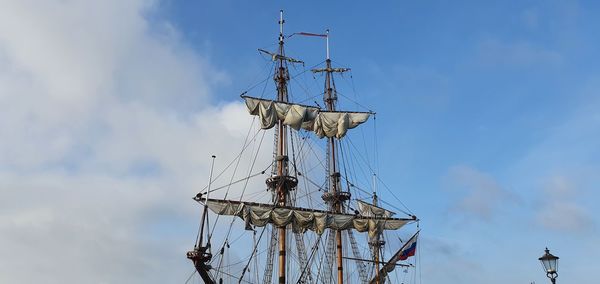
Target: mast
<point>331,124</point>
<point>205,211</point>
<point>281,190</point>
<point>330,99</point>
<point>377,243</point>
<point>201,255</point>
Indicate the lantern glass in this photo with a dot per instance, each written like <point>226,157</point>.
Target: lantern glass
<point>549,262</point>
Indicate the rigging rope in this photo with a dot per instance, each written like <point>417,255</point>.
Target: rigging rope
<point>397,199</point>
<point>242,179</point>
<point>191,275</point>
<point>268,273</point>
<point>299,163</point>
<point>234,172</point>
<point>251,255</point>
<point>312,253</point>
<point>238,156</point>
<point>243,191</point>
<point>248,89</point>
<point>231,275</point>
<point>379,179</point>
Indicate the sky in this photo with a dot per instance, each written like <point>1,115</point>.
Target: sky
<point>110,110</point>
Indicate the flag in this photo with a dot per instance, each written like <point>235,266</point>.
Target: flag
<point>311,34</point>
<point>406,251</point>
<point>409,250</point>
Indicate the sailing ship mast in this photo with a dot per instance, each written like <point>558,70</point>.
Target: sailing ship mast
<point>281,190</point>
<point>336,197</point>
<point>201,254</point>
<point>377,243</point>
<point>282,212</point>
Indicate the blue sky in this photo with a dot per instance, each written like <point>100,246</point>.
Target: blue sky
<point>491,109</point>
<point>488,115</point>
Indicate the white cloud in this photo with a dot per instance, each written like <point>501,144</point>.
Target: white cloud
<point>106,133</point>
<point>496,53</point>
<point>559,209</point>
<point>560,171</point>
<point>449,258</point>
<point>478,193</point>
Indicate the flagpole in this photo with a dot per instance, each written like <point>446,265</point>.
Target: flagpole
<point>327,40</point>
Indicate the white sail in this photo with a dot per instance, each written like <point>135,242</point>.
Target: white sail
<point>301,219</point>
<point>322,123</point>
<point>369,210</point>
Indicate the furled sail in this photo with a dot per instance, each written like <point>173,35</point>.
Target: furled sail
<point>301,219</point>
<point>369,210</point>
<point>323,123</point>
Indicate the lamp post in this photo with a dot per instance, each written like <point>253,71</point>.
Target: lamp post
<point>550,264</point>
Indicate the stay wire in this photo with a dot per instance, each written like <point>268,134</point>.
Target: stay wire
<point>379,179</point>
<point>191,275</point>
<point>231,275</point>
<point>394,195</point>
<point>369,109</point>
<point>243,179</point>
<point>244,147</point>
<point>244,189</point>
<point>238,158</point>
<point>248,89</point>
<point>251,255</point>
<point>376,145</point>
<point>233,175</point>
<point>312,253</point>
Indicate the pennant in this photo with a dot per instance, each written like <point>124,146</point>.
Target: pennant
<point>311,34</point>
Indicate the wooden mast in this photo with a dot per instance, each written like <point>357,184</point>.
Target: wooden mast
<point>281,192</point>
<point>376,244</point>
<point>330,99</point>
<point>201,255</point>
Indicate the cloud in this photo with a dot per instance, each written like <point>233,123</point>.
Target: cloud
<point>559,209</point>
<point>562,167</point>
<point>478,193</point>
<point>519,54</point>
<point>450,258</point>
<point>107,132</point>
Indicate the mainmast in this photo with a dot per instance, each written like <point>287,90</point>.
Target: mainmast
<point>336,197</point>
<point>281,192</point>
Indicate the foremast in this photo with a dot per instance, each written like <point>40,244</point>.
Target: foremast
<point>281,192</point>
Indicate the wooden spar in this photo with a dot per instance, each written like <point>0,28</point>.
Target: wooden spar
<point>337,196</point>
<point>281,191</point>
<point>368,260</point>
<point>337,206</point>
<point>201,255</point>
<point>205,212</point>
<point>376,244</point>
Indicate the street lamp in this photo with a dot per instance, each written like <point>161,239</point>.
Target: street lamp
<point>550,264</point>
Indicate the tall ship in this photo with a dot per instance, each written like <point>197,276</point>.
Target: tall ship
<point>307,210</point>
